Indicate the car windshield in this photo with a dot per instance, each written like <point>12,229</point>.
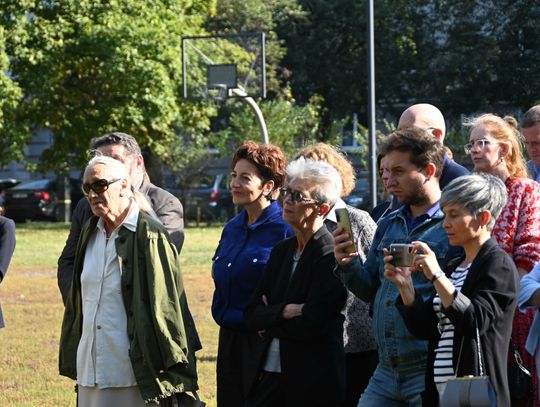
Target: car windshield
<point>39,184</point>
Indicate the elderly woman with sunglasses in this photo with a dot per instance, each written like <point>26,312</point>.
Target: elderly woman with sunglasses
<point>297,306</point>
<point>494,147</point>
<point>124,337</point>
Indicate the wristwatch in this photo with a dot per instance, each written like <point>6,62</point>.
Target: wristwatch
<point>437,275</point>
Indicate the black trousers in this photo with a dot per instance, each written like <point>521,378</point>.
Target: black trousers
<point>234,359</point>
<point>268,392</point>
<point>359,369</point>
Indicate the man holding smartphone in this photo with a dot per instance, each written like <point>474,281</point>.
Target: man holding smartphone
<point>414,162</point>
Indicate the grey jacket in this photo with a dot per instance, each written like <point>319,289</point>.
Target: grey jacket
<point>357,329</point>
<point>166,206</point>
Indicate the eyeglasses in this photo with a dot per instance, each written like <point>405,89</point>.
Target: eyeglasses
<point>482,143</point>
<point>296,196</point>
<point>99,186</point>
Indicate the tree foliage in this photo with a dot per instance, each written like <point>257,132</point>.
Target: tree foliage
<point>89,67</point>
<point>462,56</point>
<point>290,126</point>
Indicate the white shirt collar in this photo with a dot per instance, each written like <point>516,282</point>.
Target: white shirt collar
<point>331,215</point>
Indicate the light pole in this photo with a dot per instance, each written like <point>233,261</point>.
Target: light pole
<point>372,112</point>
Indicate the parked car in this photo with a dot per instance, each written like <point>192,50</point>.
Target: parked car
<point>208,199</point>
<point>360,196</point>
<point>37,200</point>
<point>5,183</point>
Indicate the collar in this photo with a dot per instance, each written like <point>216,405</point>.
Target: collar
<point>331,215</point>
<point>129,222</point>
<point>406,209</point>
<point>267,214</point>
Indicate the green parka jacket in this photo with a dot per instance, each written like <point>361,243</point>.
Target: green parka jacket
<point>162,336</point>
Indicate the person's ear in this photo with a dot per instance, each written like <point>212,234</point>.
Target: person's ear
<point>140,162</point>
<point>504,150</point>
<point>267,188</point>
<point>438,134</point>
<point>484,217</point>
<point>124,185</point>
<point>430,170</point>
<point>324,209</point>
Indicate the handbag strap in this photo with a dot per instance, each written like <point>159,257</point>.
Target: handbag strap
<point>517,357</point>
<point>478,352</point>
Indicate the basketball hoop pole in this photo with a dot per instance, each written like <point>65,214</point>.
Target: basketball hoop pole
<point>258,113</point>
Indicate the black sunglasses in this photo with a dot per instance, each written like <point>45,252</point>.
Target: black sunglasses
<point>99,186</point>
<point>296,196</point>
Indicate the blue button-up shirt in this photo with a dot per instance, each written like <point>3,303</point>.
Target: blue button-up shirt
<point>398,349</point>
<point>240,260</point>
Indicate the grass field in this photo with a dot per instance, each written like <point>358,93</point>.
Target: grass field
<point>33,311</point>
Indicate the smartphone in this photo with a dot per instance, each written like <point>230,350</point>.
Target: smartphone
<point>344,222</point>
<point>402,254</point>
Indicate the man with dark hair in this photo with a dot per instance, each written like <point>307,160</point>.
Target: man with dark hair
<point>413,166</point>
<point>530,128</point>
<point>167,207</point>
<point>430,119</point>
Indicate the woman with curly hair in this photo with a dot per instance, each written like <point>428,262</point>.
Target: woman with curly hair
<point>494,147</point>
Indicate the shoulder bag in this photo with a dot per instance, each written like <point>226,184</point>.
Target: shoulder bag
<point>470,391</point>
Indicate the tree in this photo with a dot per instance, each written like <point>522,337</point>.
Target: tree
<point>89,67</point>
<point>13,134</point>
<point>290,126</point>
<point>233,16</point>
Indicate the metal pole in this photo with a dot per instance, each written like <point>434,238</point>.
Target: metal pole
<point>372,113</point>
<point>258,113</point>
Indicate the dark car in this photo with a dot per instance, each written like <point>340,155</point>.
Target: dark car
<point>37,200</point>
<point>360,196</point>
<point>209,199</point>
<point>5,183</point>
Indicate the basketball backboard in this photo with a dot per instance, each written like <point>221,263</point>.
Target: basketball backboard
<point>217,67</point>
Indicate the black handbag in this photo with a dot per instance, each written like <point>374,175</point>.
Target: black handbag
<point>519,378</point>
<point>470,391</point>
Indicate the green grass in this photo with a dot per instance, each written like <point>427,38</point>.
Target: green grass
<point>33,312</point>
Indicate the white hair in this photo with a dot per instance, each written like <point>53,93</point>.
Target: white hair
<point>325,179</point>
<point>119,170</point>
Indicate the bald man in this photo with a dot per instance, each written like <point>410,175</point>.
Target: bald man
<point>530,128</point>
<point>430,119</point>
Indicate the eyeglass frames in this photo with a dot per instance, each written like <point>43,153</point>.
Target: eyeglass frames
<point>99,186</point>
<point>482,143</point>
<point>296,196</point>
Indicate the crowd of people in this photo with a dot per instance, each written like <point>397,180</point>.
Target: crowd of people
<point>308,314</point>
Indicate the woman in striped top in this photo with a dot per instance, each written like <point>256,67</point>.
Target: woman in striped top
<point>476,291</point>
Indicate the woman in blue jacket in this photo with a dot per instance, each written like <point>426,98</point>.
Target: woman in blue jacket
<point>258,171</point>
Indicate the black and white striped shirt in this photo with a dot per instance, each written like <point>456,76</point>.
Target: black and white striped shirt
<point>442,367</point>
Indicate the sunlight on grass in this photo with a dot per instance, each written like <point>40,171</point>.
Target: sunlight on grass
<point>33,312</point>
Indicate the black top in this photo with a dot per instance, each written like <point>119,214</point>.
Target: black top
<point>311,345</point>
<point>488,301</point>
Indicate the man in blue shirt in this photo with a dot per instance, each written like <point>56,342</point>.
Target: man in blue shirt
<point>414,162</point>
<point>430,119</point>
<point>530,128</point>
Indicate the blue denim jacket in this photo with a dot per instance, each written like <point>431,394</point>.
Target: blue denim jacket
<point>398,349</point>
<point>240,260</point>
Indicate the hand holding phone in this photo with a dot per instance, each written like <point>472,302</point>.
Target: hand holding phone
<point>343,221</point>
